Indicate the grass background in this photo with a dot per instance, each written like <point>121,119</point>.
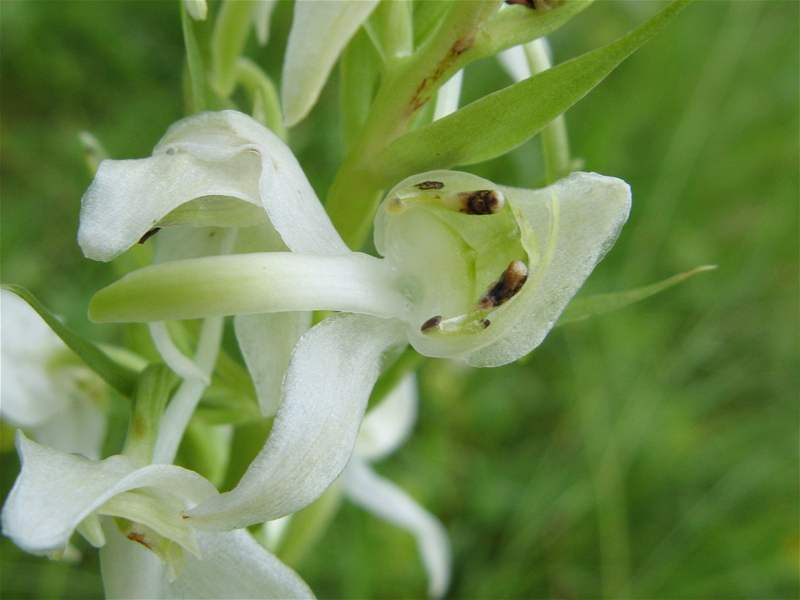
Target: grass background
<point>647,454</point>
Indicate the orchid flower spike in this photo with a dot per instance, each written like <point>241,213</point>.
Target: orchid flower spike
<point>46,389</point>
<point>472,270</point>
<point>134,515</point>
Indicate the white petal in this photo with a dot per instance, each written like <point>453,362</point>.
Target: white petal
<point>389,424</point>
<point>448,96</point>
<point>286,194</point>
<point>55,491</point>
<point>81,428</point>
<point>129,197</point>
<point>567,229</point>
<point>233,566</point>
<point>266,342</point>
<point>197,9</point>
<point>181,365</point>
<point>261,19</point>
<point>515,63</point>
<point>326,389</point>
<point>320,31</point>
<point>384,499</point>
<point>253,283</point>
<point>30,395</point>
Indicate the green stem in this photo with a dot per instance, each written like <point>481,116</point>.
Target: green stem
<point>263,94</point>
<point>355,191</point>
<point>555,142</point>
<point>152,391</point>
<point>227,42</point>
<point>395,24</point>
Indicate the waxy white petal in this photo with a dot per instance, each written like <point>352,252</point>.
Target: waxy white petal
<point>568,227</point>
<point>181,365</point>
<point>129,197</point>
<point>226,155</point>
<point>320,31</point>
<point>266,342</point>
<point>290,201</point>
<point>55,491</point>
<point>232,566</point>
<point>387,426</point>
<point>384,499</point>
<point>327,385</point>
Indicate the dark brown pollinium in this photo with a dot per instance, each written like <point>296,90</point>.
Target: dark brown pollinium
<point>481,202</point>
<point>429,185</point>
<point>505,288</point>
<point>431,323</point>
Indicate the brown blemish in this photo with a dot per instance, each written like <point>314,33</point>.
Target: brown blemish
<point>423,92</point>
<point>430,185</point>
<point>505,288</point>
<point>485,323</point>
<point>481,202</point>
<point>431,323</point>
<point>149,234</point>
<point>139,539</point>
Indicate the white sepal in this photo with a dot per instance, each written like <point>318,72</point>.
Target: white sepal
<point>325,392</point>
<point>384,499</point>
<point>231,565</point>
<point>55,491</point>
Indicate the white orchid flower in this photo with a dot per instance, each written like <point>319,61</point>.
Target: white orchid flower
<point>385,428</point>
<point>320,31</point>
<point>46,389</point>
<point>135,516</point>
<point>471,270</point>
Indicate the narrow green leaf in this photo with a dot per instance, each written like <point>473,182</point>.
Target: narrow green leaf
<point>505,119</point>
<point>598,304</point>
<point>153,389</point>
<point>117,376</point>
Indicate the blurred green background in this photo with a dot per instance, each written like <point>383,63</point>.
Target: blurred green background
<point>652,453</point>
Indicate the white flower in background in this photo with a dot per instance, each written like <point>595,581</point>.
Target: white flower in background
<point>134,515</point>
<point>471,270</point>
<point>46,389</point>
<point>320,31</point>
<point>385,428</point>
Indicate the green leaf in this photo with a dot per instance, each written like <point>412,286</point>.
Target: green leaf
<point>599,304</point>
<point>507,118</point>
<point>114,374</point>
<point>153,389</point>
